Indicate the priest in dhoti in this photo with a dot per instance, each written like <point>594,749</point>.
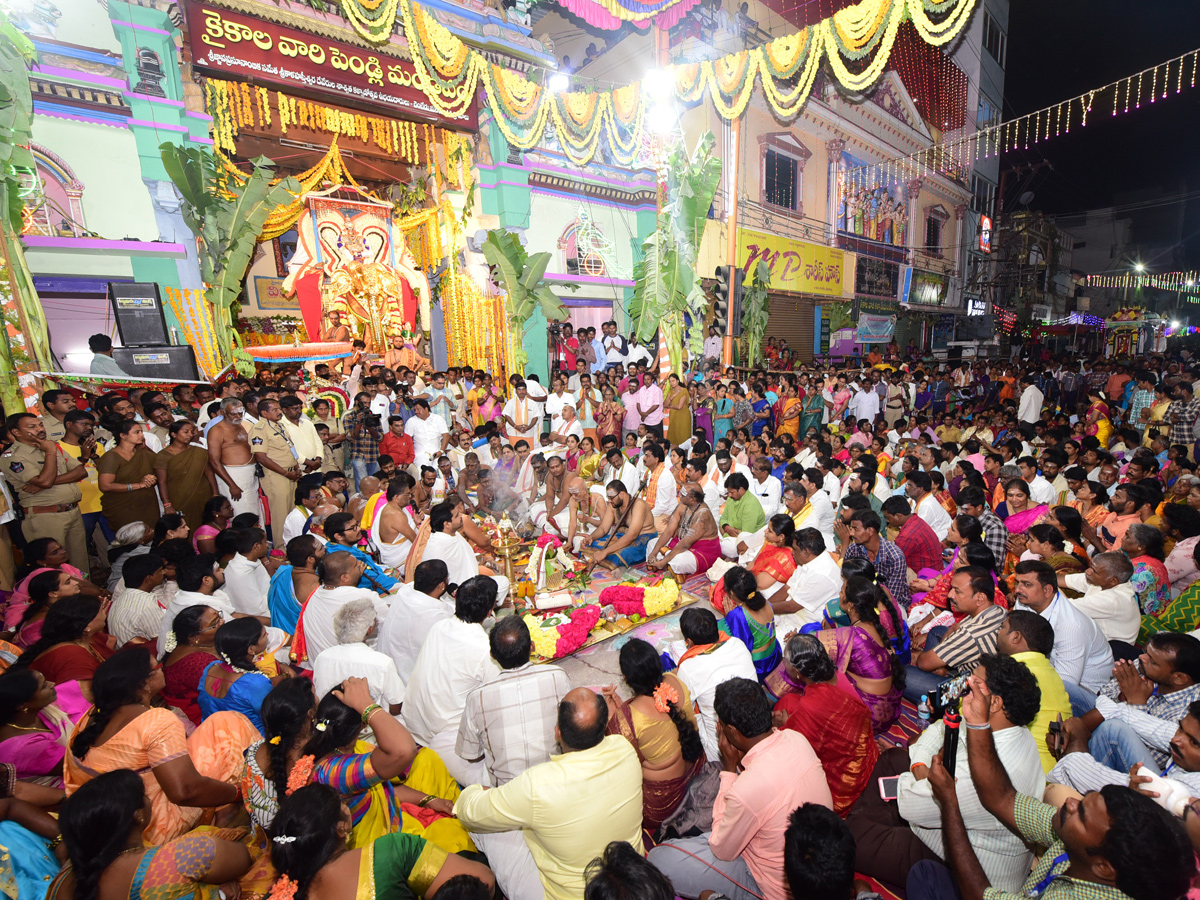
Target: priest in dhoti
<point>446,542</point>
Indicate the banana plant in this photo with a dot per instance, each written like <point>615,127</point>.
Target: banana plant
<point>25,342</point>
<point>226,218</point>
<point>667,284</point>
<point>522,276</point>
<point>756,309</point>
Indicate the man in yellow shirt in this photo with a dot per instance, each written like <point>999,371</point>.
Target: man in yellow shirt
<point>1028,638</point>
<point>561,834</point>
<point>78,442</point>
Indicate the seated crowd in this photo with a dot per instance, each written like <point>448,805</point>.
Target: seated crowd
<point>940,640</point>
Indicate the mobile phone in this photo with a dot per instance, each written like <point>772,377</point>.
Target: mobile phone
<point>889,787</point>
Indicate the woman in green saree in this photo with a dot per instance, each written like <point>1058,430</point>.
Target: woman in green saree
<point>308,848</point>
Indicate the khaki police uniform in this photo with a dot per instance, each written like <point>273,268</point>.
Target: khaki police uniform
<point>53,512</point>
<point>56,429</point>
<point>271,439</point>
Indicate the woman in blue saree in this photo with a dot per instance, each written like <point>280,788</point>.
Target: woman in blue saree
<point>752,621</point>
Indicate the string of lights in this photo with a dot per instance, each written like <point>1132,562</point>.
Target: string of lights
<point>1115,98</point>
<point>1167,281</point>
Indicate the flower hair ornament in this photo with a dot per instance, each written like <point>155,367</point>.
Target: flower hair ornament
<point>275,740</point>
<point>284,888</point>
<point>301,773</point>
<point>284,839</point>
<point>664,696</point>
<point>170,643</point>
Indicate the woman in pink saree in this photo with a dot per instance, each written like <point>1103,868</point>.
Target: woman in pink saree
<point>1022,513</point>
<point>491,402</point>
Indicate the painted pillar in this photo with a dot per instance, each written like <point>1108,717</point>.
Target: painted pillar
<point>837,166</point>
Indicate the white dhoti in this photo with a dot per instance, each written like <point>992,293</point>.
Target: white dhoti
<point>461,770</point>
<point>753,541</point>
<point>244,478</point>
<point>557,525</point>
<point>682,563</point>
<point>512,863</point>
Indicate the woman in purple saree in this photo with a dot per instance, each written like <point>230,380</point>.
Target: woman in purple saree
<point>863,651</point>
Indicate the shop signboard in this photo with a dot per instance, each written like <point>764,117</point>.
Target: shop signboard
<point>795,265</point>
<point>985,234</point>
<point>922,288</point>
<point>245,48</point>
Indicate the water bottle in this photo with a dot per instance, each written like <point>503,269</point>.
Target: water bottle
<point>924,710</point>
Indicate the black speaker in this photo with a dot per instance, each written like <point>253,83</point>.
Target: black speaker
<point>137,307</point>
<point>176,362</point>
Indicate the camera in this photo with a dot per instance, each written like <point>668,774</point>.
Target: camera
<point>555,331</point>
<point>373,420</point>
<point>948,695</point>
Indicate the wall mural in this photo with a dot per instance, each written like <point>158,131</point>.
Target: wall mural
<point>876,213</point>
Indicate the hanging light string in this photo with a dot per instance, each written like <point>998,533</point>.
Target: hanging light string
<point>1122,96</point>
<point>1167,281</point>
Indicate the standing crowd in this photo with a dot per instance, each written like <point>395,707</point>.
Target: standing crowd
<point>259,643</point>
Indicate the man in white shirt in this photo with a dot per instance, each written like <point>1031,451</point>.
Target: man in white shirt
<point>308,498</point>
<point>565,425</point>
<point>616,348</point>
<point>136,613</point>
<point>522,415</point>
<point>339,586</point>
<point>415,608</point>
<point>1081,654</point>
<point>864,405</point>
<point>1108,596</point>
<point>918,487</point>
<point>1029,409</point>
<point>823,514</point>
<point>429,434</point>
<point>662,491</point>
<point>447,543</point>
<point>637,354</point>
<point>713,345</point>
<point>618,468</point>
<point>354,624</point>
<point>454,660</point>
<point>1040,490</point>
<point>766,487</point>
<point>1004,857</point>
<point>557,400</point>
<point>310,452</point>
<point>247,580</point>
<point>707,662</point>
<point>816,581</point>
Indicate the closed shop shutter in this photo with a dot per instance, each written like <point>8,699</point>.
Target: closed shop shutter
<point>792,319</point>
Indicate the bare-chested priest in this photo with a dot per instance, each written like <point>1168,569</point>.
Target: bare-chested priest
<point>689,544</point>
<point>229,453</point>
<point>630,524</point>
<point>555,512</point>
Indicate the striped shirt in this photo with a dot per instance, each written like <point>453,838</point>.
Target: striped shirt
<point>1169,708</point>
<point>510,720</point>
<point>974,637</point>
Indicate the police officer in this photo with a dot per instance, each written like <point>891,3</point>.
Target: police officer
<point>275,452</point>
<point>56,404</point>
<point>46,481</point>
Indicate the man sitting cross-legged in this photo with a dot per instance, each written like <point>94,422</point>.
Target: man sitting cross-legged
<point>625,530</point>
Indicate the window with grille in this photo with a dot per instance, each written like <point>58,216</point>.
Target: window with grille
<point>780,180</point>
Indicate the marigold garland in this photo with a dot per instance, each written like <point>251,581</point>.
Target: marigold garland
<point>857,41</point>
<point>560,640</point>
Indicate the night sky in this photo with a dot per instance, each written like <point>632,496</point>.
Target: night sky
<point>1061,48</point>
